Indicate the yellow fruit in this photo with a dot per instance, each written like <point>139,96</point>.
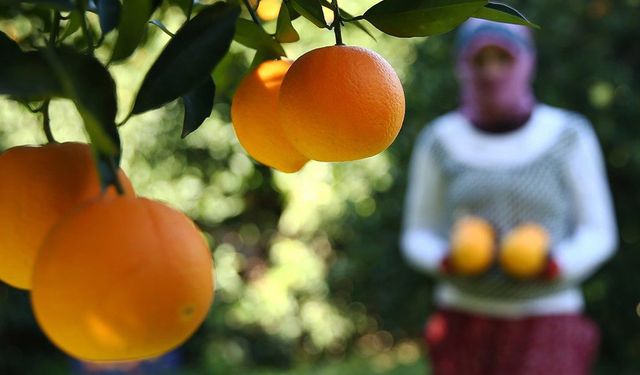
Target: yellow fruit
<point>39,185</point>
<point>524,251</point>
<point>341,103</point>
<point>122,278</point>
<point>472,246</point>
<point>254,113</point>
<point>268,10</point>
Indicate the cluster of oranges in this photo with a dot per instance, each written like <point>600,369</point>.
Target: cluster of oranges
<point>522,252</point>
<point>111,276</point>
<point>336,103</point>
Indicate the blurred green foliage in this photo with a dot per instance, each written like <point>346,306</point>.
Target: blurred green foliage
<point>308,265</point>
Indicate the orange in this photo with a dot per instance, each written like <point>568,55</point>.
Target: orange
<point>268,10</point>
<point>254,113</point>
<point>39,185</point>
<point>341,103</point>
<point>524,251</point>
<point>122,278</point>
<point>472,246</point>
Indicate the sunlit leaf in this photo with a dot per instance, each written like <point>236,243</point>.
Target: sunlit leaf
<point>131,27</point>
<point>503,13</point>
<point>253,36</point>
<point>415,18</point>
<point>311,10</point>
<point>89,85</point>
<point>189,57</point>
<point>285,32</point>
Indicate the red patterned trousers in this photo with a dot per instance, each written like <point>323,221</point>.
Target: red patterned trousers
<point>466,344</point>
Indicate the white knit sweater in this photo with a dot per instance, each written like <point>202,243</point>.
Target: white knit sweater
<point>581,241</point>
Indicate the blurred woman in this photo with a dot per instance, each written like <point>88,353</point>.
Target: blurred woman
<point>508,159</point>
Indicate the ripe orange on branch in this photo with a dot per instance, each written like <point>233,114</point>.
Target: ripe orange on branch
<point>122,278</point>
<point>341,103</point>
<point>254,113</point>
<point>39,185</point>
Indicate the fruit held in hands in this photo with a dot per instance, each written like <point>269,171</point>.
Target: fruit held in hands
<point>254,113</point>
<point>472,246</point>
<point>122,278</point>
<point>39,185</point>
<point>524,251</point>
<point>341,103</point>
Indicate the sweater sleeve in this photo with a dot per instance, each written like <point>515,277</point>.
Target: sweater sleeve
<point>421,244</point>
<point>594,239</point>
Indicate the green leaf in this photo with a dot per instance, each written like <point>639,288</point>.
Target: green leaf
<point>260,57</point>
<point>131,27</point>
<point>292,12</point>
<point>8,47</point>
<point>198,104</point>
<point>108,14</point>
<point>65,73</point>
<point>26,76</point>
<point>360,26</point>
<point>417,18</point>
<point>285,32</point>
<point>189,57</point>
<point>503,13</point>
<point>311,10</point>
<point>251,35</point>
<point>89,85</point>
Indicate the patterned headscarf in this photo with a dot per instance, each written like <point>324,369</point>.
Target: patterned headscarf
<point>511,97</point>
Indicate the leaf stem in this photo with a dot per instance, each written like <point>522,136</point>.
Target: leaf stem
<point>114,171</point>
<point>252,12</point>
<point>337,23</point>
<point>354,19</point>
<point>162,27</point>
<point>55,28</point>
<point>86,32</point>
<point>46,121</point>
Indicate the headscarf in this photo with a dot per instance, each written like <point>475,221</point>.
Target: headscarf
<point>509,98</point>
